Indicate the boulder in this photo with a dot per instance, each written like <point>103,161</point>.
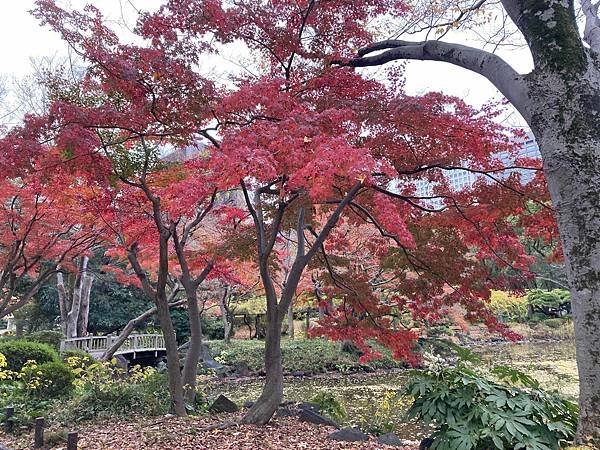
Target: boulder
<point>314,407</point>
<point>223,404</point>
<point>393,440</point>
<point>240,369</point>
<point>425,444</point>
<point>306,415</point>
<point>349,435</point>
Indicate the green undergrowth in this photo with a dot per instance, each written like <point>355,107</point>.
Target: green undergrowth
<point>310,356</point>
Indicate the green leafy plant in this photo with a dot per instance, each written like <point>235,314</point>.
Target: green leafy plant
<point>330,405</point>
<point>383,415</point>
<point>472,412</point>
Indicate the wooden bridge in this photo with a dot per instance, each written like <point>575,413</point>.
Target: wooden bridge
<point>134,344</point>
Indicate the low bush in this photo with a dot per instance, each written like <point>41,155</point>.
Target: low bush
<point>330,405</point>
<point>212,327</point>
<point>472,412</point>
<point>48,380</point>
<point>50,337</point>
<point>19,351</point>
<point>508,307</point>
<point>310,356</point>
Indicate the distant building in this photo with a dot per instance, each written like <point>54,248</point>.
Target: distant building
<point>460,179</point>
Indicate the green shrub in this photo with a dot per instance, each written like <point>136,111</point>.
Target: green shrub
<point>508,307</point>
<point>19,351</point>
<point>212,327</point>
<point>119,398</point>
<point>48,380</point>
<point>307,355</point>
<point>50,337</point>
<point>330,406</point>
<point>555,323</point>
<point>472,412</point>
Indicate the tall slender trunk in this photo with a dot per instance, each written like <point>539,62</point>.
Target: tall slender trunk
<point>173,367</point>
<point>290,316</point>
<point>192,357</point>
<point>225,315</point>
<point>272,394</point>
<point>84,308</point>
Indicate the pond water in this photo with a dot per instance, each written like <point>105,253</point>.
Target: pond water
<point>553,364</point>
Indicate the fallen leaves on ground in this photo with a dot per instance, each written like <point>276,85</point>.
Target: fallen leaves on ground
<point>187,433</point>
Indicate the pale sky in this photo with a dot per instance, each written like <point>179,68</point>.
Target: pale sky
<point>22,38</point>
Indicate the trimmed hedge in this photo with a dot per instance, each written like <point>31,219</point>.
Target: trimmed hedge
<point>19,351</point>
<point>50,337</point>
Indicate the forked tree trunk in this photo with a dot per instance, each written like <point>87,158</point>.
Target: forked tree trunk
<point>173,367</point>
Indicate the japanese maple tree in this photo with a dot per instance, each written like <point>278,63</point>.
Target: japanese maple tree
<point>315,151</point>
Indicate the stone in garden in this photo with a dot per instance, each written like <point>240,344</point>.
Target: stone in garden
<point>298,373</point>
<point>213,365</point>
<point>241,369</point>
<point>248,404</point>
<point>314,407</point>
<point>223,404</point>
<point>426,443</point>
<point>306,415</point>
<point>390,439</point>
<point>393,440</point>
<point>285,411</point>
<point>349,435</point>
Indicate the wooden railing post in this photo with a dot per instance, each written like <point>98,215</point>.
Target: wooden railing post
<point>38,440</point>
<point>8,419</point>
<point>72,438</point>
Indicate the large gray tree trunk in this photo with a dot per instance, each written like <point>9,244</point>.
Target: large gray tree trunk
<point>192,357</point>
<point>566,123</point>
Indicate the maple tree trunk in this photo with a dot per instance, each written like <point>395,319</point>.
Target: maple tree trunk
<point>63,302</point>
<point>173,368</point>
<point>272,394</point>
<point>192,357</point>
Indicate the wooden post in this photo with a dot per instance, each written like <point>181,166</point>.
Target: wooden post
<point>72,440</point>
<point>8,420</point>
<point>38,441</point>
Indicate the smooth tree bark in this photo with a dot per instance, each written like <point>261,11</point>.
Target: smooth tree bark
<point>75,304</point>
<point>277,305</point>
<point>159,295</point>
<point>560,100</point>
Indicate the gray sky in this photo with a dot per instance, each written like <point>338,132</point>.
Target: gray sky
<point>23,38</point>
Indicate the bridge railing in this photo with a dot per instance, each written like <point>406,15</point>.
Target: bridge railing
<point>99,344</point>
